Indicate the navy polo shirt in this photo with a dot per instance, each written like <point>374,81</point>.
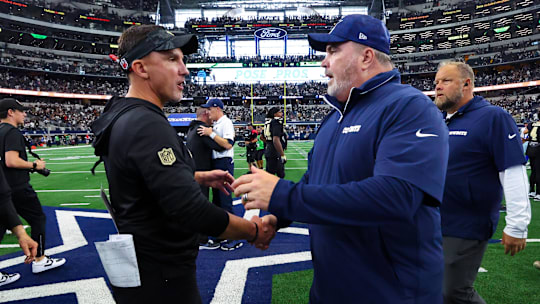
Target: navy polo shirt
<point>484,140</point>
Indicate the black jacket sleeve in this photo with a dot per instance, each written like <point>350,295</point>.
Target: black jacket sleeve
<point>212,144</point>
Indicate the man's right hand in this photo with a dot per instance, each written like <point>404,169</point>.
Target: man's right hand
<point>40,164</point>
<point>283,159</point>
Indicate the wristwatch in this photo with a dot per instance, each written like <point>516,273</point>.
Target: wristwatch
<point>34,165</point>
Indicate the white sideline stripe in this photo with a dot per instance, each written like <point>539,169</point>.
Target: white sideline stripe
<point>71,190</point>
<point>70,163</point>
<point>286,168</point>
<point>75,204</point>
<point>295,230</point>
<point>9,246</point>
<point>63,148</point>
<point>232,282</point>
<point>89,291</point>
<point>75,172</point>
<point>88,196</point>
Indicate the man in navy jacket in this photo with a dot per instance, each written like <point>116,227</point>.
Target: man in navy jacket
<point>375,178</point>
<point>486,158</point>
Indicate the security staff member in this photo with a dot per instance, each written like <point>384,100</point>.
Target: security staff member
<point>153,185</point>
<point>274,134</point>
<point>10,219</point>
<point>17,170</point>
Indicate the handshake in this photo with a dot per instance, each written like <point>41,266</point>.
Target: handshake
<point>265,231</point>
<point>255,190</point>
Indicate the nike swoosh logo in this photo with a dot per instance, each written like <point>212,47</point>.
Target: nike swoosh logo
<point>420,134</point>
<point>511,136</point>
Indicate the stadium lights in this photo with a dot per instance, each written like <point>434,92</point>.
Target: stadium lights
<point>269,4</point>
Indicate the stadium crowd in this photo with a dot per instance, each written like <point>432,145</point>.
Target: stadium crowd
<point>118,86</point>
<point>78,116</point>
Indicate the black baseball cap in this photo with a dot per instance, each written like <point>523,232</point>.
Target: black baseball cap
<point>159,40</point>
<point>11,103</point>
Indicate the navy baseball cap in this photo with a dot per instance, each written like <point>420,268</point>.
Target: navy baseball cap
<point>361,29</point>
<point>214,102</point>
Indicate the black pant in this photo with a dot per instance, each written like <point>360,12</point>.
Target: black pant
<point>157,289</point>
<point>534,180</point>
<point>29,208</point>
<point>275,166</point>
<point>462,258</point>
<point>219,198</point>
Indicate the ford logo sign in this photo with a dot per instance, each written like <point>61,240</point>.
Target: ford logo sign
<point>270,33</point>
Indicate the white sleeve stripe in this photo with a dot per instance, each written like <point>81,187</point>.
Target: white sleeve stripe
<point>515,184</point>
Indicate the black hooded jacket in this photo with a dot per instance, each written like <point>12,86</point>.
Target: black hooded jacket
<point>201,146</point>
<point>151,183</point>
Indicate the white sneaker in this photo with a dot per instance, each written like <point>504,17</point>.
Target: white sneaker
<point>532,194</point>
<point>8,278</point>
<point>47,263</point>
<point>537,198</point>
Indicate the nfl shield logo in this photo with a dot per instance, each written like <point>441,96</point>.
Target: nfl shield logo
<point>166,156</point>
<point>124,64</point>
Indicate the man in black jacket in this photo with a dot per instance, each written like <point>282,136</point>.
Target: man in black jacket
<point>201,146</point>
<point>155,193</point>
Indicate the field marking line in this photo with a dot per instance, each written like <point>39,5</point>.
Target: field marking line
<point>69,190</point>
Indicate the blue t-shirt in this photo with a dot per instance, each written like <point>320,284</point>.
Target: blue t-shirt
<point>375,176</point>
<point>484,140</point>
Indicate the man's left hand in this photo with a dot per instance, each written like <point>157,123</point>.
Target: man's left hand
<point>217,179</point>
<point>204,131</point>
<point>259,187</point>
<point>512,245</point>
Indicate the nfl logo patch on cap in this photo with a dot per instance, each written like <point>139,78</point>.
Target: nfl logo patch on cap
<point>124,64</point>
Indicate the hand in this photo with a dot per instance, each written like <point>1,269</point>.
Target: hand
<point>283,159</point>
<point>512,245</point>
<point>259,186</point>
<point>204,131</point>
<point>28,246</point>
<point>40,164</point>
<point>218,179</point>
<point>267,230</point>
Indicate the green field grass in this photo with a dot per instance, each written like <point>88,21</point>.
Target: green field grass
<point>508,280</point>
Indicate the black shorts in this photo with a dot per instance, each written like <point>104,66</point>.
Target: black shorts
<point>275,166</point>
<point>250,156</point>
<point>259,154</point>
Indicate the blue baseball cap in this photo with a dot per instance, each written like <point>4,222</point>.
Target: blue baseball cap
<point>361,29</point>
<point>214,102</point>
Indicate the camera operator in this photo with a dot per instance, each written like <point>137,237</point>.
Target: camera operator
<point>17,171</point>
<point>250,139</point>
